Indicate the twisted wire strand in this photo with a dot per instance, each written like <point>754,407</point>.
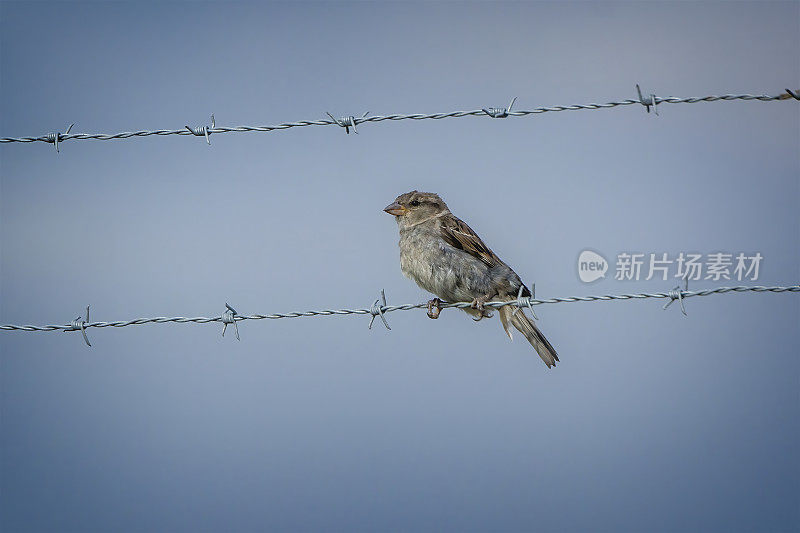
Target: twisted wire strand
<point>390,308</point>
<point>60,137</point>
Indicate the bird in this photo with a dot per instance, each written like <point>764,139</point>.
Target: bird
<point>444,256</point>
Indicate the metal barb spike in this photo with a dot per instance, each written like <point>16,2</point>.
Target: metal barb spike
<point>377,310</point>
<point>526,301</point>
<point>500,112</point>
<point>677,294</point>
<point>55,138</point>
<point>651,101</point>
<point>793,94</point>
<point>347,122</point>
<point>79,324</point>
<point>229,317</point>
<point>533,296</point>
<point>202,131</point>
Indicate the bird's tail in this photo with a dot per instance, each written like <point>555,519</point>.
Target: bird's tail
<point>526,326</point>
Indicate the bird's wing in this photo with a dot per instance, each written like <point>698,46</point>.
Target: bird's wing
<point>456,233</point>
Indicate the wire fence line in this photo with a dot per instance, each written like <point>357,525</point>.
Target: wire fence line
<point>380,308</point>
<point>348,122</point>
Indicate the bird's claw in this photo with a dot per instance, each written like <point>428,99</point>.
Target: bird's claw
<point>434,308</point>
<point>479,304</point>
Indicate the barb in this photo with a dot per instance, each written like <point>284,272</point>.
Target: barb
<point>677,294</point>
<point>377,310</point>
<point>201,131</point>
<point>793,94</point>
<point>650,101</point>
<point>500,112</point>
<point>348,122</point>
<point>229,317</point>
<point>55,138</point>
<point>80,325</point>
<point>525,301</point>
<point>83,325</point>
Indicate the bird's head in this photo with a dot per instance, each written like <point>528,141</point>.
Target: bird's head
<point>415,207</point>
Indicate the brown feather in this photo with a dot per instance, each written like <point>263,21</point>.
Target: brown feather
<point>458,234</point>
<point>528,328</point>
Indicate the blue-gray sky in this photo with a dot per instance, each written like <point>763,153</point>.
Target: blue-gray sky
<point>652,422</point>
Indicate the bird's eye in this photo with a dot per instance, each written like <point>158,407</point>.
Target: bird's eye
<point>414,203</point>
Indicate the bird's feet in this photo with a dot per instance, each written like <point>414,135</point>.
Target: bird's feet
<point>479,304</point>
<point>434,308</point>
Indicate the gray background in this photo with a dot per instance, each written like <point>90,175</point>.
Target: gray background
<point>653,421</point>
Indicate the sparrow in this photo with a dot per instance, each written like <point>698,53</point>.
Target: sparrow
<point>444,256</point>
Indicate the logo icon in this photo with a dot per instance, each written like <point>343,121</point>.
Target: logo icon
<point>591,266</point>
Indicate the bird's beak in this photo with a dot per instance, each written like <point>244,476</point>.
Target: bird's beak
<point>395,209</point>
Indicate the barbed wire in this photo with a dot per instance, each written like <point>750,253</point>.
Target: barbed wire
<point>230,316</point>
<point>351,121</point>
